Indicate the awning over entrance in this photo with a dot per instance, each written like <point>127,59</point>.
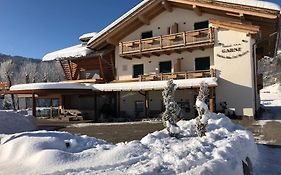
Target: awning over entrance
<point>129,86</point>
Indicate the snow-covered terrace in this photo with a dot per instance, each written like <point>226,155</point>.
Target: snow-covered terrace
<point>129,86</point>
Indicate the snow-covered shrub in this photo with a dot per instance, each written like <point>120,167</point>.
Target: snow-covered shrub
<point>172,109</point>
<point>202,109</point>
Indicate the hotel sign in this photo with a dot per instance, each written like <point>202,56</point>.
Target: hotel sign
<point>232,51</point>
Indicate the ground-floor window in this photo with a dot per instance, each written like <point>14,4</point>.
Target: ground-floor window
<point>139,106</point>
<point>47,107</point>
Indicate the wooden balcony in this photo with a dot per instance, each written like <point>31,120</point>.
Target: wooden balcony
<point>167,44</point>
<point>178,75</point>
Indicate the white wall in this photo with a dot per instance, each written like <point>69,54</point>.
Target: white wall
<point>151,65</point>
<point>235,84</point>
<point>185,19</point>
<point>236,80</point>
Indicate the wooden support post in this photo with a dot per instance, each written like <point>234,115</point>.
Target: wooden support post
<point>95,108</point>
<point>211,101</point>
<point>146,104</point>
<point>111,55</point>
<point>70,69</point>
<point>51,108</point>
<point>161,42</point>
<point>101,68</point>
<point>33,105</point>
<point>61,104</point>
<point>118,103</point>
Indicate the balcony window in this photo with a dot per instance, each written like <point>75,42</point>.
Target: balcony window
<point>148,34</point>
<point>165,67</point>
<point>201,25</point>
<point>202,63</point>
<point>137,70</point>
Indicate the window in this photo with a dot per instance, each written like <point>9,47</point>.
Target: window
<point>202,63</point>
<point>148,34</point>
<point>201,25</point>
<point>90,74</point>
<point>165,67</point>
<point>139,106</point>
<point>137,70</point>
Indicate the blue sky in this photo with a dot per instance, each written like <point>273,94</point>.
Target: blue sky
<point>32,28</point>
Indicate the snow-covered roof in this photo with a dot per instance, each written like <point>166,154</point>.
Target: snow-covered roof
<point>50,86</point>
<point>70,52</point>
<point>254,3</point>
<point>154,85</point>
<point>87,36</point>
<point>129,86</point>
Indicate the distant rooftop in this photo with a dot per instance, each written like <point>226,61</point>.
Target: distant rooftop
<point>70,52</point>
<point>87,36</point>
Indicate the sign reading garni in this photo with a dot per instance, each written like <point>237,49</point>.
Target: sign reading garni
<point>232,51</point>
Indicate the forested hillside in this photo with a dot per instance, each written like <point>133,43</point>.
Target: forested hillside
<point>28,70</point>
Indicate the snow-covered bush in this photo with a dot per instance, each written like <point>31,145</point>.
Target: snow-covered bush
<point>202,109</point>
<point>172,109</point>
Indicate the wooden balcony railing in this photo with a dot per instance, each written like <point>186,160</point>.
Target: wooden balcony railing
<point>178,75</point>
<point>183,40</point>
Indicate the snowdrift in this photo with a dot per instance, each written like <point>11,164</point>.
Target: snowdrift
<point>220,152</point>
<point>13,122</point>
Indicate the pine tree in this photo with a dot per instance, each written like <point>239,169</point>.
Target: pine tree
<point>172,110</point>
<point>202,109</point>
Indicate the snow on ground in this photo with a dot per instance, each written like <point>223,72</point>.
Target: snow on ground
<point>81,125</point>
<point>268,160</point>
<point>13,122</point>
<point>221,151</point>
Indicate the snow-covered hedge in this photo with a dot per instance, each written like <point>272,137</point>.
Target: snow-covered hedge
<point>220,152</point>
<point>13,122</point>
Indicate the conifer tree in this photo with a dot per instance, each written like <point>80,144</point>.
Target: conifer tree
<point>172,110</point>
<point>202,109</point>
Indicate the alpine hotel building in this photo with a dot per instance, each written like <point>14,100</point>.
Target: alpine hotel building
<point>121,71</point>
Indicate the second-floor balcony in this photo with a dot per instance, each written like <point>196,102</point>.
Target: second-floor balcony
<point>167,44</point>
